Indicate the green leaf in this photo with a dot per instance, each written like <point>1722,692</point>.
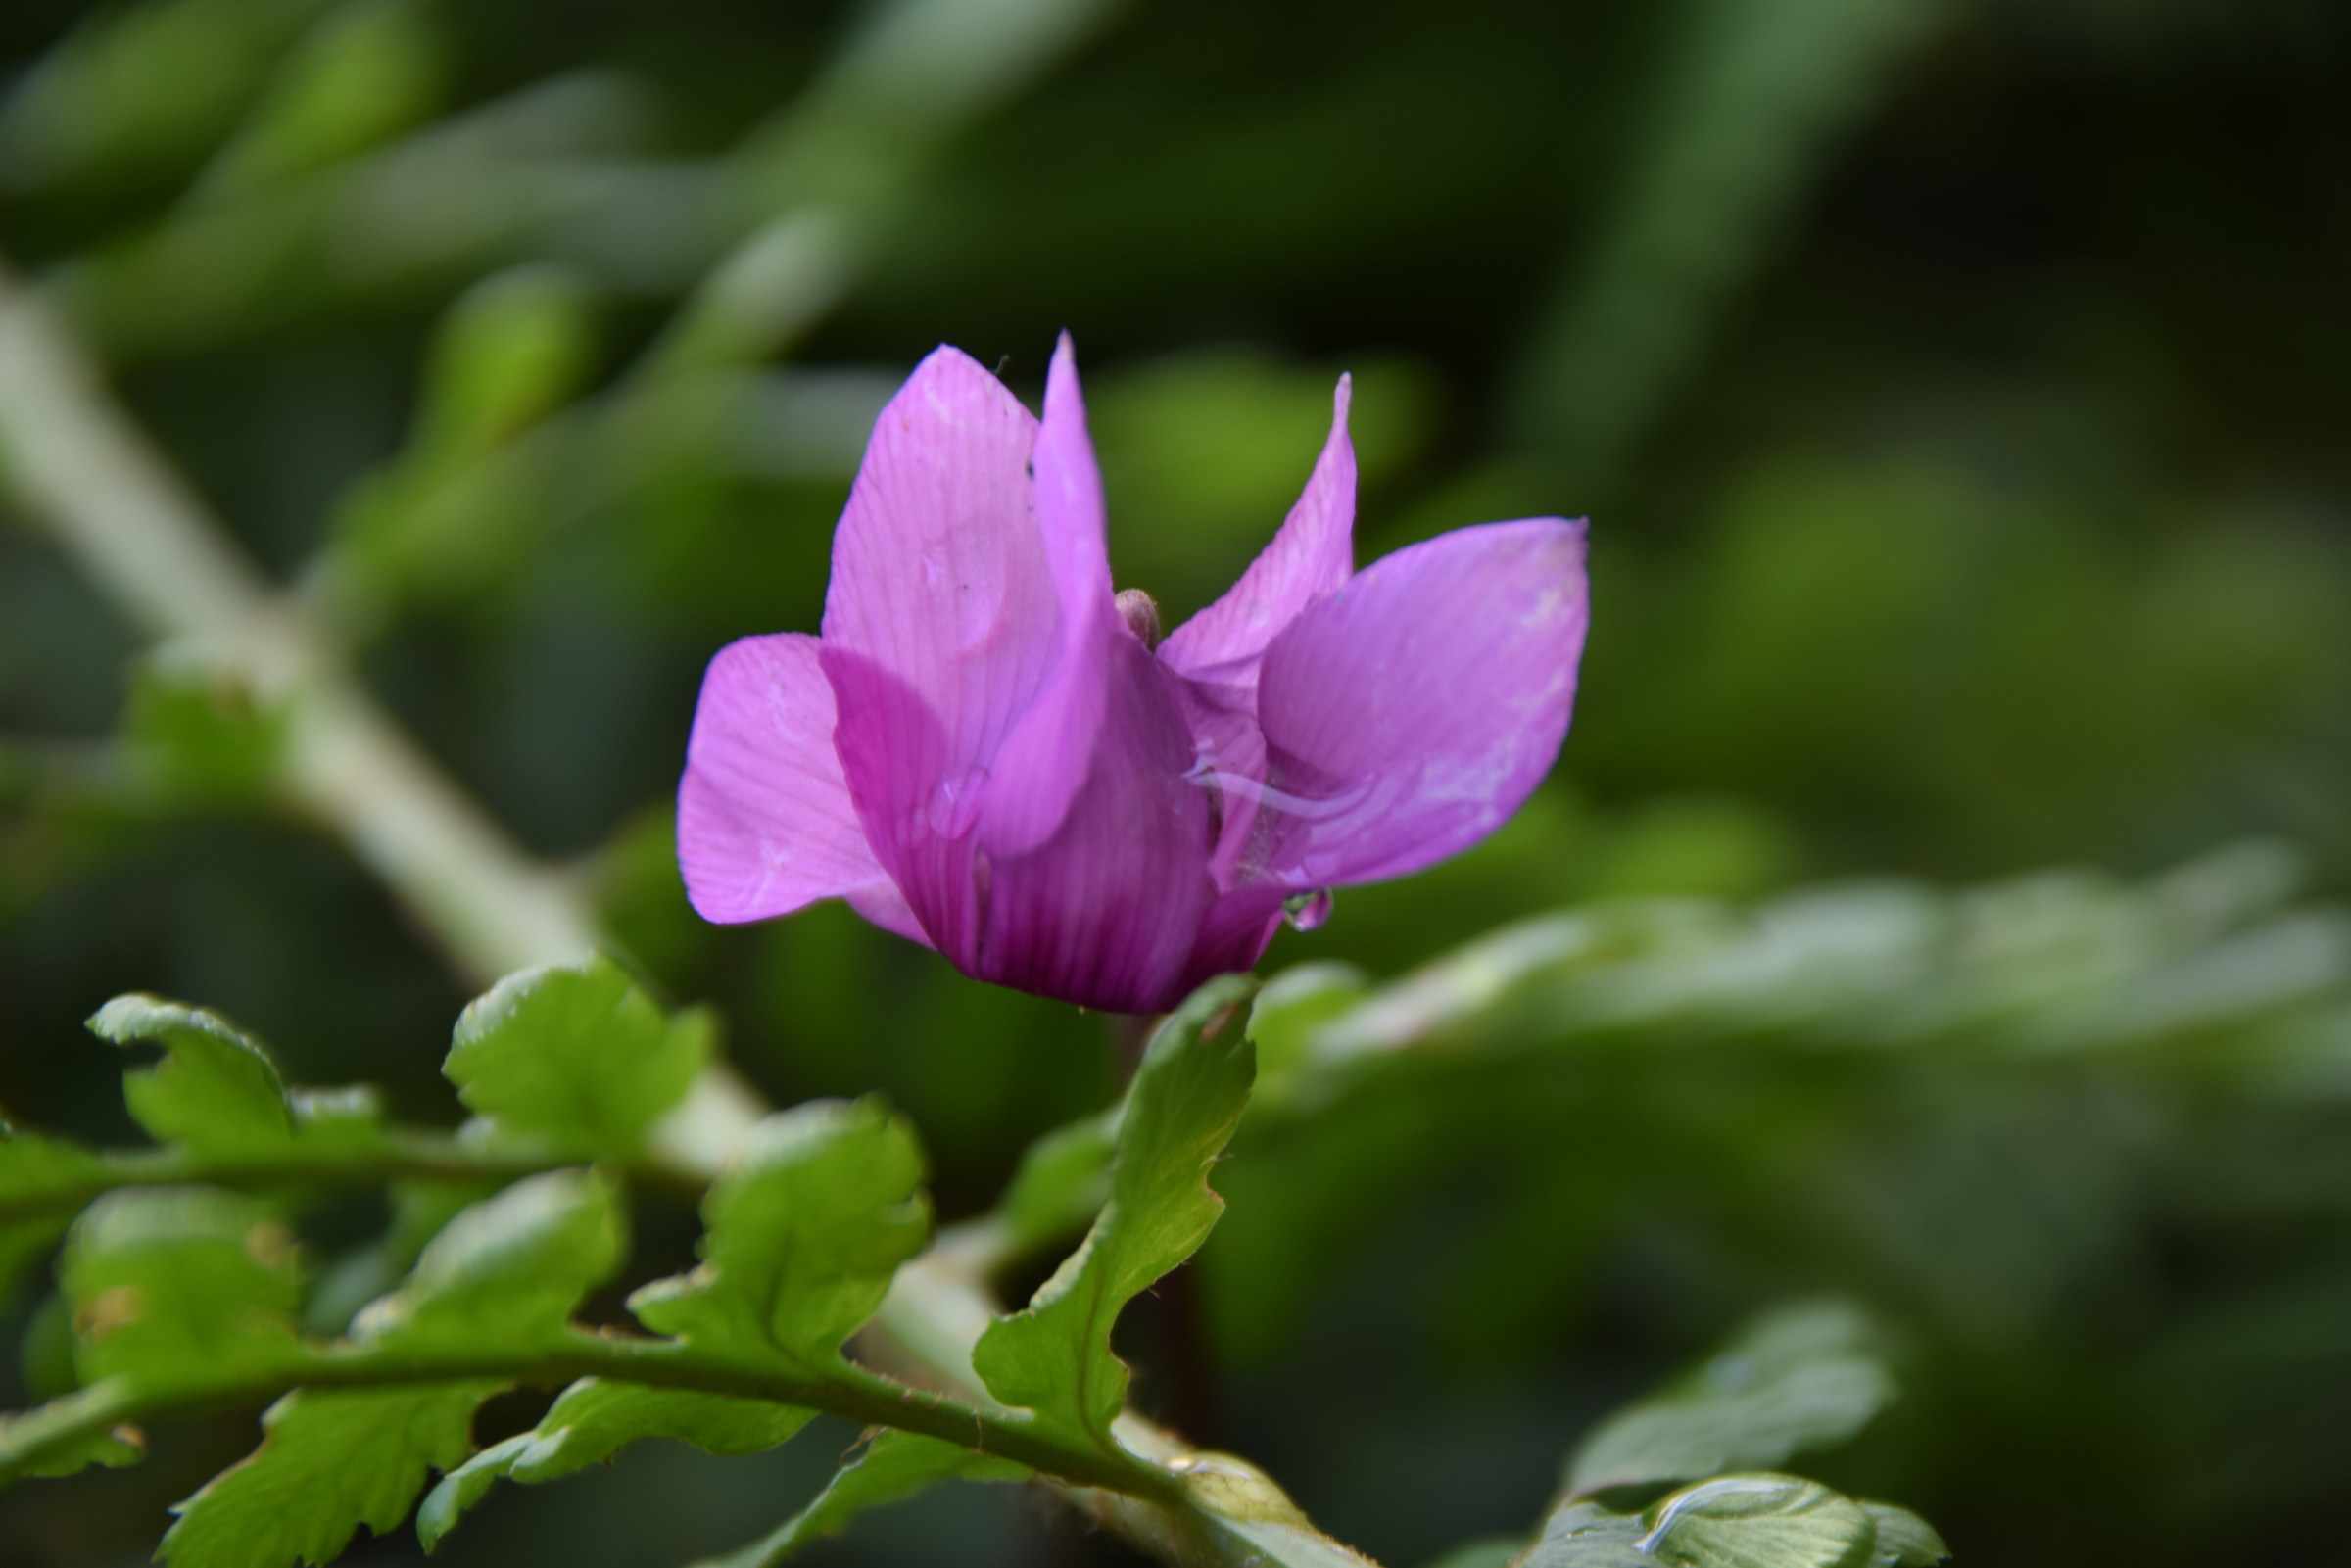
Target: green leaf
<point>328,1463</point>
<point>179,1283</point>
<point>1759,1521</point>
<point>805,1234</point>
<point>576,1056</point>
<point>593,1420</point>
<point>1063,1182</point>
<point>507,1273</point>
<point>215,1091</point>
<point>1055,1358</point>
<point>35,1172</point>
<point>118,1449</point>
<point>1498,1551</point>
<point>198,731</point>
<point>894,1466</point>
<point>1903,1538</point>
<point>1799,1378</point>
<point>1584,1535</point>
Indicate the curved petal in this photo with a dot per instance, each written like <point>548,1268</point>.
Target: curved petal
<point>1105,912</point>
<point>1042,764</point>
<point>1312,553</point>
<point>765,822</point>
<point>915,802</point>
<point>940,574</point>
<point>1407,715</point>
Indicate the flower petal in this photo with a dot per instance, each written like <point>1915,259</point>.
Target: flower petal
<point>1044,761</point>
<point>915,803</point>
<point>939,574</point>
<point>1105,912</point>
<point>1409,714</point>
<point>765,822</point>
<point>1312,554</point>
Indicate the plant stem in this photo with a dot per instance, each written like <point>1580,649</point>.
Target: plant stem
<point>847,1391</point>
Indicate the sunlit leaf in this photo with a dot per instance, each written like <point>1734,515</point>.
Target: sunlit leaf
<point>507,1273</point>
<point>805,1231</point>
<point>576,1056</point>
<point>217,1089</point>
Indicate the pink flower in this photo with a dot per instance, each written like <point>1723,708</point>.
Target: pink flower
<point>982,754</point>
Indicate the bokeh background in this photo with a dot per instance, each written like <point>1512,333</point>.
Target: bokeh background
<point>1958,390</point>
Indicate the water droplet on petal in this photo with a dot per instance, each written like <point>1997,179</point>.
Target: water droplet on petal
<point>1307,910</point>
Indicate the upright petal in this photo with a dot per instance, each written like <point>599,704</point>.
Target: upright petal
<point>765,824</point>
<point>1312,554</point>
<point>1044,762</point>
<point>1409,714</point>
<point>940,574</point>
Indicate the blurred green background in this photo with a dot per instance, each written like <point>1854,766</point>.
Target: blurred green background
<point>1958,392</point>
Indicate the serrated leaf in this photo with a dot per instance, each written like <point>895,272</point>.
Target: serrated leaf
<point>178,1282</point>
<point>216,1090</point>
<point>328,1463</point>
<point>576,1056</point>
<point>1799,1378</point>
<point>893,1466</point>
<point>805,1234</point>
<point>1054,1359</point>
<point>1584,1535</point>
<point>595,1420</point>
<point>1759,1521</point>
<point>507,1273</point>
<point>1903,1538</point>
